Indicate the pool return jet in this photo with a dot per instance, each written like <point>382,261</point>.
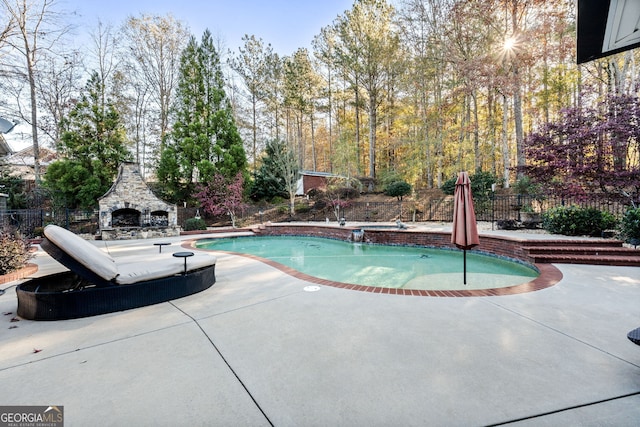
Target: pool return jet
<point>464,233</point>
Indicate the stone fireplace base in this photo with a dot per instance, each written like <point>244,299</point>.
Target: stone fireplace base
<point>130,233</point>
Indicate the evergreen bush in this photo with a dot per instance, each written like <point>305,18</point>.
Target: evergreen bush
<point>480,185</point>
<point>449,186</point>
<point>192,224</point>
<point>629,226</point>
<point>398,189</point>
<point>577,221</point>
<point>14,252</point>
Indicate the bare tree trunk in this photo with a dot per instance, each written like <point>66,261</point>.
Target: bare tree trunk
<point>491,105</point>
<point>506,159</point>
<point>476,135</point>
<point>330,106</point>
<point>313,143</point>
<point>517,116</point>
<point>517,100</point>
<point>34,113</point>
<point>373,117</point>
<point>357,101</point>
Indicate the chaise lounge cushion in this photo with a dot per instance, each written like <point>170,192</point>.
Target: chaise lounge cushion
<point>82,251</point>
<point>159,265</point>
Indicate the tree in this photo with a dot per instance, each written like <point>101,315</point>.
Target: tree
<point>268,182</point>
<point>424,25</point>
<point>367,47</point>
<point>589,152</point>
<point>398,189</point>
<point>222,195</point>
<point>252,66</point>
<point>153,48</point>
<point>204,139</point>
<point>58,84</point>
<point>37,29</point>
<point>279,172</point>
<point>274,92</point>
<point>93,145</point>
<point>13,186</point>
<point>104,56</point>
<point>324,50</point>
<point>301,90</point>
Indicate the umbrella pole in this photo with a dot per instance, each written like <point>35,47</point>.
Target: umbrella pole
<point>464,256</point>
<point>464,266</point>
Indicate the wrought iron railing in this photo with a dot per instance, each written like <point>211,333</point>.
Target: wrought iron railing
<point>510,207</point>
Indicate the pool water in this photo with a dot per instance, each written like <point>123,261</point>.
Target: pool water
<point>406,267</point>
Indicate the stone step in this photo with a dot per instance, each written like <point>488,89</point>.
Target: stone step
<point>560,258</point>
<point>581,250</point>
<point>600,243</point>
<point>595,251</point>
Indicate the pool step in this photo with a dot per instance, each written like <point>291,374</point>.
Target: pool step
<point>583,252</point>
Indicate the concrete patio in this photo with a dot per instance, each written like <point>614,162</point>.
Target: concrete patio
<point>259,349</point>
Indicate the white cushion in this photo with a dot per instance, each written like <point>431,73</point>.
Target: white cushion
<point>82,251</point>
<point>156,266</point>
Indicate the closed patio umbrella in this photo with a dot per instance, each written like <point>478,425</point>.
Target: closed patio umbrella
<point>465,230</point>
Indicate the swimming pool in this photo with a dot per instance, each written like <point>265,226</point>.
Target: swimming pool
<point>379,266</point>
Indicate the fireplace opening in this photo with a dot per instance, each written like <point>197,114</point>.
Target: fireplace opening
<point>158,219</point>
<point>125,218</point>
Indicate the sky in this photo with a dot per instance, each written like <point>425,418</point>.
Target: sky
<point>286,24</point>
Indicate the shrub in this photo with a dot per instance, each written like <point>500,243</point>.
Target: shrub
<point>302,208</point>
<point>192,224</point>
<point>449,186</point>
<point>398,189</point>
<point>14,252</point>
<point>316,194</point>
<point>507,224</point>
<point>630,225</point>
<point>480,185</point>
<point>347,193</point>
<point>577,221</point>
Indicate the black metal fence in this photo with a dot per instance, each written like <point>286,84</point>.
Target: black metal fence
<point>29,222</point>
<point>511,207</point>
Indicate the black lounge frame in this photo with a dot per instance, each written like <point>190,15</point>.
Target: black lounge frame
<point>82,293</point>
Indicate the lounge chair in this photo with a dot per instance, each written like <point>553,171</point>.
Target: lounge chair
<point>98,284</point>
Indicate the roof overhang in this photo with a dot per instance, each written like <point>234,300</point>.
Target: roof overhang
<point>6,126</point>
<point>606,27</point>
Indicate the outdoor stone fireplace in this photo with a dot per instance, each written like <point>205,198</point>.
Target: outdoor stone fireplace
<point>130,210</point>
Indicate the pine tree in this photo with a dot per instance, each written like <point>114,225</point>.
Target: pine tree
<point>270,180</point>
<point>93,144</point>
<point>204,140</point>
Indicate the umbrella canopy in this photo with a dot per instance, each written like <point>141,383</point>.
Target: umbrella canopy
<point>465,230</point>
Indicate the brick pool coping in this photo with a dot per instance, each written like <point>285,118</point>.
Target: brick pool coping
<point>501,246</point>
